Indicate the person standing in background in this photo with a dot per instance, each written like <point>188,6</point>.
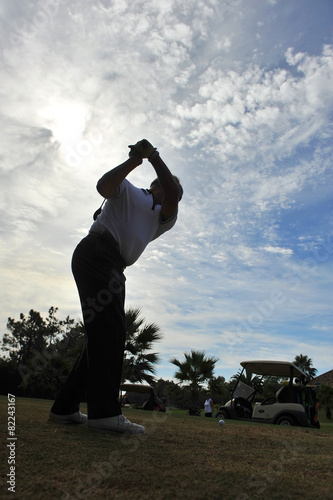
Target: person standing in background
<point>209,406</point>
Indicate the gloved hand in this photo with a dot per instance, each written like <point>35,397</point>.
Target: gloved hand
<point>142,149</point>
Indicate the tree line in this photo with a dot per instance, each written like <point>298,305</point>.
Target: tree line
<point>40,352</point>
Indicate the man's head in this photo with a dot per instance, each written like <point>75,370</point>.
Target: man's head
<point>155,185</point>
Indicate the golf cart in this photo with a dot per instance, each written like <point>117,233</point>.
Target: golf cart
<point>137,394</point>
<point>293,404</point>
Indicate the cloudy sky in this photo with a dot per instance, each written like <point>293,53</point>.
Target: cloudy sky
<point>238,97</point>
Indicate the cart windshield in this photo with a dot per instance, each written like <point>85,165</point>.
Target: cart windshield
<point>243,391</point>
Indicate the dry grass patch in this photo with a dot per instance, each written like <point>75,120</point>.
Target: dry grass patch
<point>180,457</point>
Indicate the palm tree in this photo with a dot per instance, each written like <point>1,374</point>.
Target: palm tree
<point>140,336</point>
<point>244,376</point>
<point>247,378</point>
<point>219,388</point>
<point>305,364</point>
<point>196,369</point>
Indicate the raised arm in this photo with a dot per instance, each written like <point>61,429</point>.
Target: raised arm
<point>108,184</point>
<point>168,192</point>
<point>171,193</point>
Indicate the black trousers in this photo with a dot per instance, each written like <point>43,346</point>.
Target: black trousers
<point>98,271</point>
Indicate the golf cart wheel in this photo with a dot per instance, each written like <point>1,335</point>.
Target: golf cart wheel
<point>222,414</point>
<point>285,420</point>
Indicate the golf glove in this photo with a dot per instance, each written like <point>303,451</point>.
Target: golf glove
<point>142,149</point>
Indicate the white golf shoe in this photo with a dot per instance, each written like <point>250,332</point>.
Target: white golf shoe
<point>119,423</point>
<point>72,418</point>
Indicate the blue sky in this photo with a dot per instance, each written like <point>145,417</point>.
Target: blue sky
<point>238,97</point>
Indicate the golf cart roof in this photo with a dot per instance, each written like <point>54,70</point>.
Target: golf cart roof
<point>273,368</point>
<point>136,388</point>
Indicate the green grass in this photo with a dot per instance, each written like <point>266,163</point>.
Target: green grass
<point>181,456</point>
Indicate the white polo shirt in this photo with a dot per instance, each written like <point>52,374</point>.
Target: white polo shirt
<point>132,220</point>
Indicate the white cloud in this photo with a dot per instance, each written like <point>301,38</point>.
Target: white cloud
<point>244,120</point>
<point>283,251</point>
